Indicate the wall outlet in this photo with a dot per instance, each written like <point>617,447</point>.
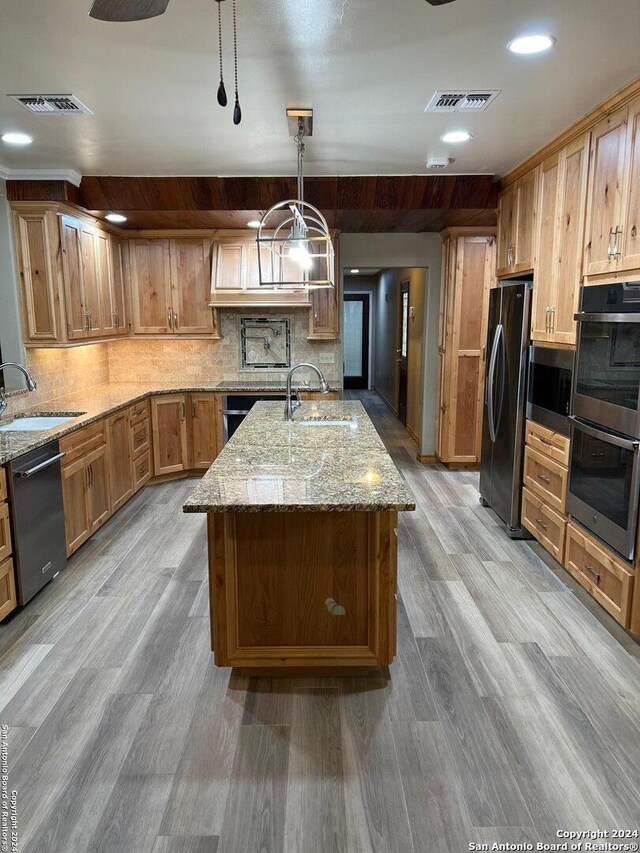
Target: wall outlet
<point>326,358</point>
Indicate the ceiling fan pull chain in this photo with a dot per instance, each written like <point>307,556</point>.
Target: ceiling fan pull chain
<point>237,112</point>
<point>222,92</point>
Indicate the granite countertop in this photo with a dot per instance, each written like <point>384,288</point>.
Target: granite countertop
<point>101,401</point>
<point>258,386</point>
<point>271,465</point>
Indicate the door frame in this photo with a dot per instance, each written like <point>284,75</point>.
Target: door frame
<point>364,383</point>
<point>404,287</point>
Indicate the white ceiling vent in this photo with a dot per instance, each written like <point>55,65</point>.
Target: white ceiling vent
<point>470,101</point>
<point>52,105</point>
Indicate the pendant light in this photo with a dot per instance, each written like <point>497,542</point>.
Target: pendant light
<point>222,92</point>
<point>295,251</point>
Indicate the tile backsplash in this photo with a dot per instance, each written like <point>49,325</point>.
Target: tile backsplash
<point>69,370</point>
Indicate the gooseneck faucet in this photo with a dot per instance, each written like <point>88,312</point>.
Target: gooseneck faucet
<point>291,405</point>
<point>31,382</point>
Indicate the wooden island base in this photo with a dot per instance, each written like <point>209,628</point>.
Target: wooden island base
<point>300,592</point>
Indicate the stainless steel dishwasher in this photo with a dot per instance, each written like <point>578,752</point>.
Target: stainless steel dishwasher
<point>37,518</point>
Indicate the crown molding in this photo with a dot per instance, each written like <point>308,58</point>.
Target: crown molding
<point>69,175</point>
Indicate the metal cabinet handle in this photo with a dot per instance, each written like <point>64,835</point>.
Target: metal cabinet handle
<point>540,523</point>
<point>183,411</point>
<point>553,319</point>
<point>544,479</point>
<point>193,409</point>
<point>175,321</point>
<point>169,319</point>
<point>544,441</point>
<point>119,418</point>
<point>593,572</point>
<point>91,474</point>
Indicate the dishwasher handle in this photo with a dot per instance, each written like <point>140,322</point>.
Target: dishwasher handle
<point>24,475</point>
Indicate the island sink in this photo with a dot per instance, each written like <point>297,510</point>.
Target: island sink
<point>302,559</point>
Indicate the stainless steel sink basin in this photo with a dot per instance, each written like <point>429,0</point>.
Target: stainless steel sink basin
<point>38,423</point>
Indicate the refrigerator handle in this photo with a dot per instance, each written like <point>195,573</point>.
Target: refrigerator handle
<point>491,375</point>
<point>503,373</point>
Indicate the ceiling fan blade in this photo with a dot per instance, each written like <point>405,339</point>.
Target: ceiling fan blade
<point>439,2</point>
<point>127,10</point>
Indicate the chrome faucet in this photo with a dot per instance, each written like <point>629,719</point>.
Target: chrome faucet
<point>291,405</point>
<point>31,382</point>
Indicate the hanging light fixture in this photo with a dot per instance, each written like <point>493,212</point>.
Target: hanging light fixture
<point>222,92</point>
<point>295,251</point>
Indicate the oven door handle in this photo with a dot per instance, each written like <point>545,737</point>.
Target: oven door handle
<point>235,412</point>
<point>586,317</point>
<point>493,360</point>
<point>608,437</point>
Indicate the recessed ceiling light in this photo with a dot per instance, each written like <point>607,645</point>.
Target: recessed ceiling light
<point>526,45</point>
<point>16,138</point>
<point>255,223</point>
<point>456,136</point>
<point>354,272</point>
<point>116,217</point>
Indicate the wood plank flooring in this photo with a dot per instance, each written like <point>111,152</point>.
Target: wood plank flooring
<point>511,711</point>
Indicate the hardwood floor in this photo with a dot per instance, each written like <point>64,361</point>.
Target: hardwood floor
<point>511,711</point>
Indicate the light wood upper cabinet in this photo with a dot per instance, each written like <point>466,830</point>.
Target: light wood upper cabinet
<point>110,284</point>
<point>231,265</point>
<point>561,217</point>
<point>170,437</point>
<point>469,262</point>
<point>191,286</point>
<point>119,302</point>
<point>604,210</point>
<point>73,262</point>
<point>36,247</point>
<point>517,210</point>
<point>150,272</point>
<point>630,238</point>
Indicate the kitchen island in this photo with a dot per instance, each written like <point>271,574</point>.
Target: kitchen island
<point>302,526</point>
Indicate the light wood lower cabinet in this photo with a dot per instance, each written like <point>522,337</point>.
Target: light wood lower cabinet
<point>141,470</point>
<point>202,409</point>
<point>8,602</point>
<point>86,488</point>
<point>5,532</point>
<point>549,443</point>
<point>606,577</point>
<point>545,524</point>
<point>120,458</point>
<point>170,436</point>
<point>546,478</point>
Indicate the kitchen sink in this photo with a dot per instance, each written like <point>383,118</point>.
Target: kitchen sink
<point>37,423</point>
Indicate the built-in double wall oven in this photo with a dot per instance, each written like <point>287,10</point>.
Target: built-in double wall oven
<point>604,475</point>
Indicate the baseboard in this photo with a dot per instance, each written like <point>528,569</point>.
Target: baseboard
<point>412,434</point>
<point>385,401</point>
<point>426,458</point>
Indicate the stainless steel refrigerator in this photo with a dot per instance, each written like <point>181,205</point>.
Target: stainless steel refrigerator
<point>504,402</point>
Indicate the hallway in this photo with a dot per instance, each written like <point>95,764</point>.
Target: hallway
<point>511,711</point>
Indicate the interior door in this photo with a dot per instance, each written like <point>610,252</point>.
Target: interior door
<point>356,340</point>
<point>403,352</point>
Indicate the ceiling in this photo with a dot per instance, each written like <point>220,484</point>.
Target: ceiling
<point>367,67</point>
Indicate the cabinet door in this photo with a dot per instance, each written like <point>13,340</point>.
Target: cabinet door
<point>8,601</point>
<point>191,286</point>
<point>525,231</point>
<point>506,230</point>
<point>99,492</point>
<point>252,270</point>
<point>323,322</point>
<point>120,466</point>
<point>169,427</point>
<point>150,270</point>
<point>36,243</point>
<point>230,266</point>
<point>605,193</point>
<point>118,247</point>
<point>91,285</point>
<point>77,313</point>
<point>105,282</point>
<point>568,277</point>
<point>75,486</point>
<point>6,547</point>
<point>547,268</point>
<point>630,239</point>
<point>203,430</point>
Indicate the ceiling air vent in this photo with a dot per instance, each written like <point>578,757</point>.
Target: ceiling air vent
<point>52,105</point>
<point>468,101</point>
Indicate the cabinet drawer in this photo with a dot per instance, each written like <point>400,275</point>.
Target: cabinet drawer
<point>140,438</point>
<point>141,470</point>
<point>3,485</point>
<point>7,589</point>
<point>544,523</point>
<point>604,576</point>
<point>83,441</point>
<point>548,479</point>
<point>5,532</point>
<point>139,411</point>
<point>545,441</point>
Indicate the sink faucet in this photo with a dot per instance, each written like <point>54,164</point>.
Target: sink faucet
<point>291,405</point>
<point>31,382</point>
